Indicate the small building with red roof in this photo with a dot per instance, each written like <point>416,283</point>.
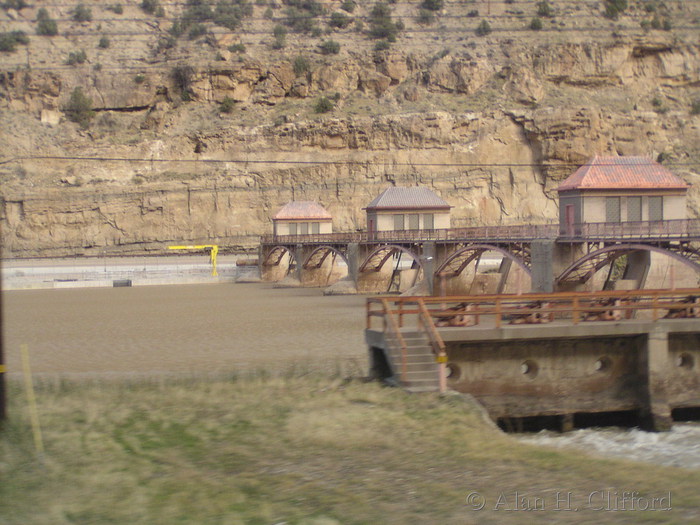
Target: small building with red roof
<point>302,218</point>
<point>407,208</point>
<point>621,189</point>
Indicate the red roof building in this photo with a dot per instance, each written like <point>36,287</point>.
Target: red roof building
<point>621,189</point>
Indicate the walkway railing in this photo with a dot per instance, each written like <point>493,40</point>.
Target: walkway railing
<point>496,310</point>
<point>672,229</point>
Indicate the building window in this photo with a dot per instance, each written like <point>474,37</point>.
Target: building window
<point>656,208</point>
<point>398,222</point>
<point>634,208</point>
<point>292,228</point>
<point>612,209</point>
<point>315,227</point>
<point>304,228</point>
<point>413,221</point>
<point>428,221</point>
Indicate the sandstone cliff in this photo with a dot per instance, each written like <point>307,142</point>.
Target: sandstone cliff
<point>492,123</point>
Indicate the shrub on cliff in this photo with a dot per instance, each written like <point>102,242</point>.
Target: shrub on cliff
<point>81,13</point>
<point>536,24</point>
<point>330,47</point>
<point>380,23</point>
<point>150,6</point>
<point>483,29</point>
<point>433,5</point>
<point>15,4</point>
<point>227,105</point>
<point>182,76</point>
<point>339,20</point>
<point>79,108</point>
<point>9,41</point>
<point>76,57</point>
<point>323,105</point>
<point>544,9</point>
<point>301,65</point>
<point>46,26</point>
<point>613,8</point>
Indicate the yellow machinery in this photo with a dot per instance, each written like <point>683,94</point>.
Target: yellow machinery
<point>213,249</point>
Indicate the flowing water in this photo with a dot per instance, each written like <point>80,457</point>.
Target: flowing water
<point>208,328</point>
<point>226,328</point>
<point>679,447</point>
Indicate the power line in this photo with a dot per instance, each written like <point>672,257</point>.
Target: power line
<point>322,162</point>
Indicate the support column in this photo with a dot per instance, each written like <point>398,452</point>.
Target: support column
<point>353,258</point>
<point>542,266</point>
<point>299,257</point>
<point>656,414</point>
<point>428,260</point>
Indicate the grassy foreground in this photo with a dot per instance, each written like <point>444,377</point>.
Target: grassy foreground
<point>299,450</point>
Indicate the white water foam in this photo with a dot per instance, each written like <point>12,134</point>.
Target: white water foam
<point>680,447</point>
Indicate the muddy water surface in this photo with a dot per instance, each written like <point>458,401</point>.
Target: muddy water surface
<point>175,329</point>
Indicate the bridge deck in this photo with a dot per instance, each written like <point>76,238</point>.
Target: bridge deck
<point>672,230</point>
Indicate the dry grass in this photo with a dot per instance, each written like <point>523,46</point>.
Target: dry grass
<point>302,449</point>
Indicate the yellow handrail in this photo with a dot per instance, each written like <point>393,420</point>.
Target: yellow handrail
<point>213,251</point>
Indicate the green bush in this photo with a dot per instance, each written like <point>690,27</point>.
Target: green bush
<point>382,45</point>
<point>81,13</point>
<point>103,43</point>
<point>695,107</point>
<point>237,48</point>
<point>433,5</point>
<point>79,108</point>
<point>323,105</point>
<point>165,42</point>
<point>140,78</point>
<point>425,17</point>
<point>348,5</point>
<point>182,76</point>
<point>613,8</point>
<point>150,6</point>
<point>544,9</point>
<point>381,24</point>
<point>77,57</point>
<point>483,29</point>
<point>15,4</point>
<point>279,31</point>
<point>46,26</point>
<point>9,41</point>
<point>536,24</point>
<point>339,20</point>
<point>227,105</point>
<point>330,47</point>
<point>115,8</point>
<point>301,65</point>
<point>196,31</point>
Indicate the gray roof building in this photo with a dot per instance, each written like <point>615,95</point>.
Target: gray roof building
<point>411,198</point>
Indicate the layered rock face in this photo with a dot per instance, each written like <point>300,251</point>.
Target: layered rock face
<point>492,124</point>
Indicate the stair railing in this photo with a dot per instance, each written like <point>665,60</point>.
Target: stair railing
<point>436,342</point>
<point>392,324</point>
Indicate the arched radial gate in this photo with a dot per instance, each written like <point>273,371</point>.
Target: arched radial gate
<point>375,261</point>
<point>319,256</point>
<point>274,256</point>
<point>586,267</point>
<point>459,260</point>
